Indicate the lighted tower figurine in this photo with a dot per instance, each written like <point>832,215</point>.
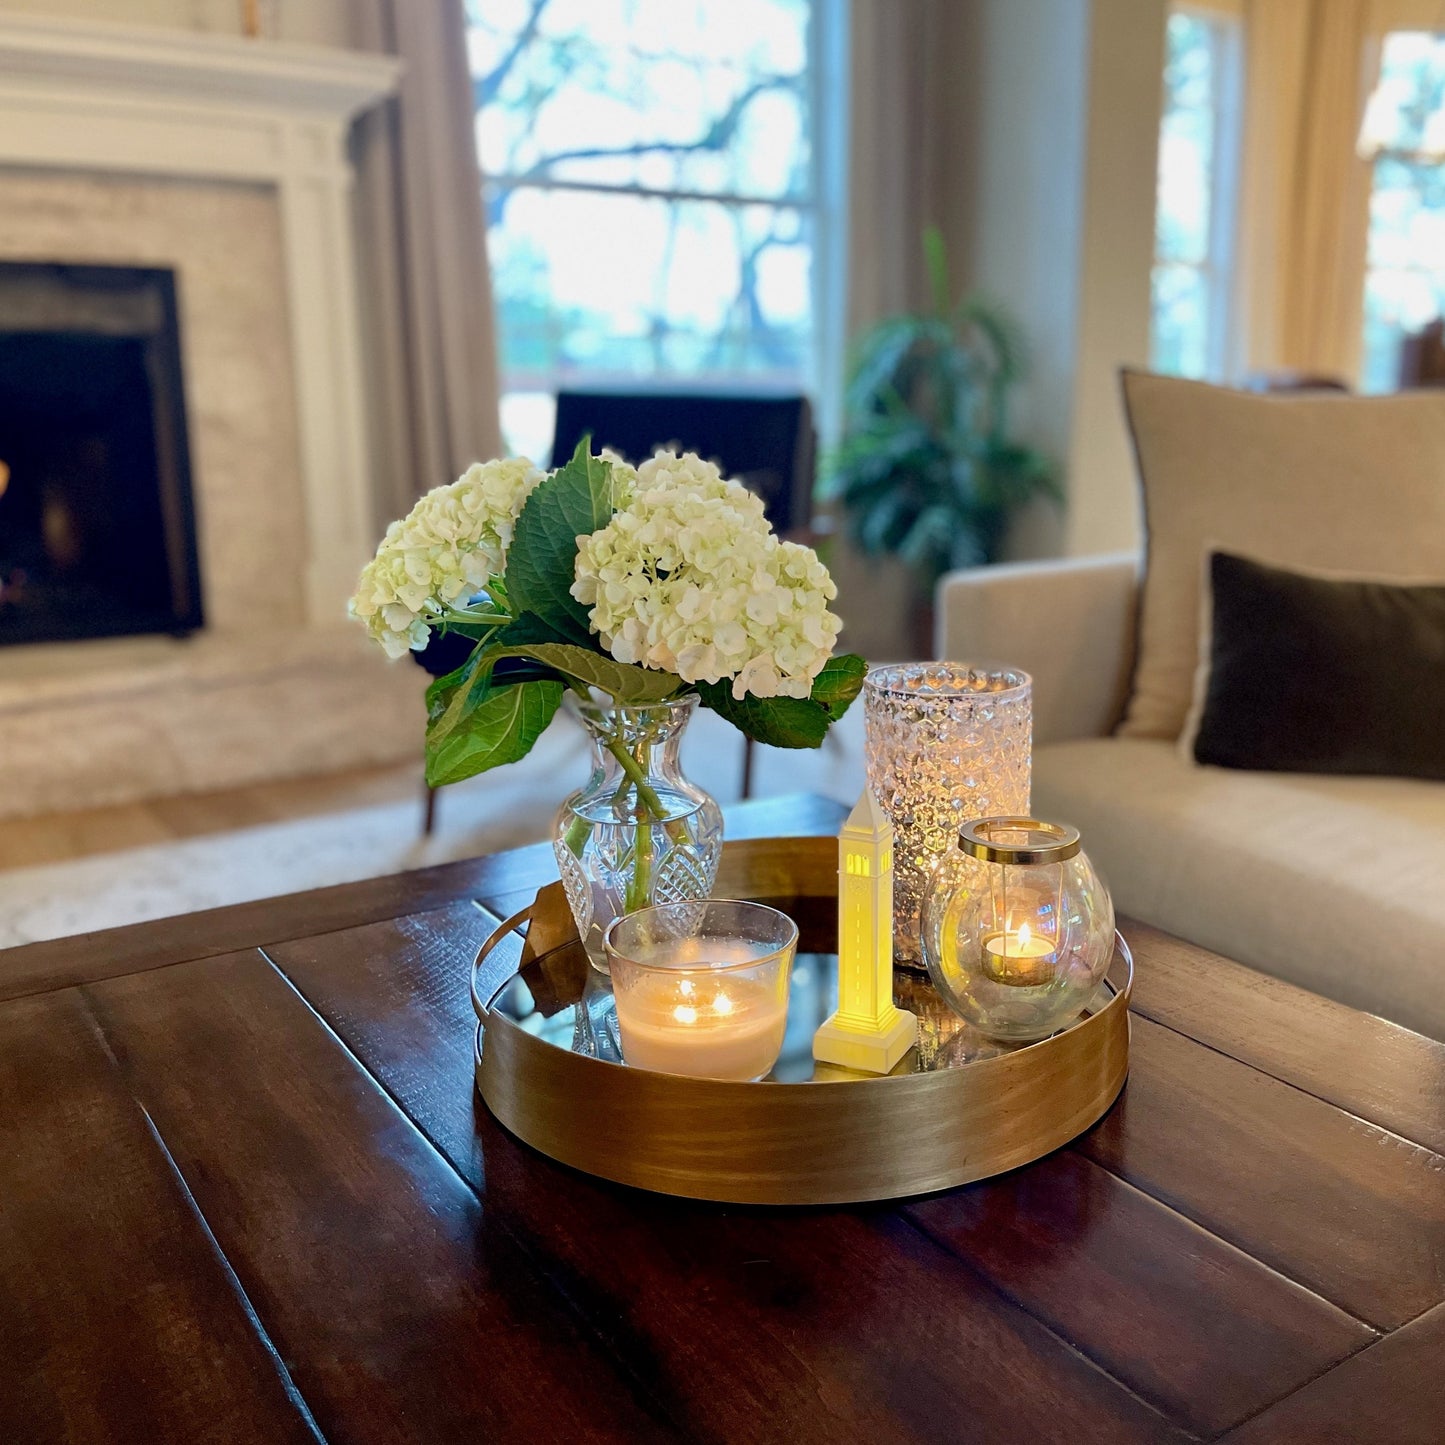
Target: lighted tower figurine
<point>868,1032</point>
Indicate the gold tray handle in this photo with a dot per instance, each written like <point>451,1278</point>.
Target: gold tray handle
<point>499,963</point>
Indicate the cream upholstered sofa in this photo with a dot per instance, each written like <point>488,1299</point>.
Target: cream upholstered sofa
<point>1334,883</point>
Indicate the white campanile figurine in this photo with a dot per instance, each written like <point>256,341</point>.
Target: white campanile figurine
<point>869,1032</point>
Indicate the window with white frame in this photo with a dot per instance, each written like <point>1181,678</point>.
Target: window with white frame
<point>1405,256</point>
<point>1194,211</point>
<point>662,199</point>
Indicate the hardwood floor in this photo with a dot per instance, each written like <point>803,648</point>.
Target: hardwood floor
<point>59,837</point>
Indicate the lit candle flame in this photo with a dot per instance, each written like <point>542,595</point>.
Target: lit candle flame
<point>722,1004</point>
<point>1023,937</point>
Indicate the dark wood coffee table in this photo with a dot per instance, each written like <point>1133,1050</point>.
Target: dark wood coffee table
<point>247,1195</point>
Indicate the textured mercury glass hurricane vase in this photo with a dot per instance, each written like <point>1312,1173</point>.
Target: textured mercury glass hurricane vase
<point>947,743</point>
<point>639,832</point>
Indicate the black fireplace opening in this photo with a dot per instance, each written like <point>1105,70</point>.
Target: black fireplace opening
<point>97,520</point>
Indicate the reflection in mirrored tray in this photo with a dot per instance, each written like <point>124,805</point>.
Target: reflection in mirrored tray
<point>560,999</point>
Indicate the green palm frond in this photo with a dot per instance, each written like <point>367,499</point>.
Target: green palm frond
<point>926,469</point>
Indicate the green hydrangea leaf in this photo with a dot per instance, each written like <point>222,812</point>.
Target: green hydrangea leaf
<point>541,562</point>
<point>781,722</point>
<point>631,686</point>
<point>840,681</point>
<point>791,722</point>
<point>527,628</point>
<point>501,729</point>
<point>451,696</point>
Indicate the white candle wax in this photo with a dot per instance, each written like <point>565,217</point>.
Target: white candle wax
<point>704,1026</point>
<point>1018,956</point>
<point>1018,945</point>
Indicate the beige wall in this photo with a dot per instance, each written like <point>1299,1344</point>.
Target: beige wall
<point>1049,207</point>
<point>309,22</point>
<point>1012,197</point>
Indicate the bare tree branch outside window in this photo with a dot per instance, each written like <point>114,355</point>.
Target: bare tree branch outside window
<point>649,179</point>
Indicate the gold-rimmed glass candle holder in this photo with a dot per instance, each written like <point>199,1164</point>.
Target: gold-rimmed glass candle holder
<point>1019,929</point>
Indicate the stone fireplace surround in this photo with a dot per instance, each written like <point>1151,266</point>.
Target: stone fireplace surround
<point>227,161</point>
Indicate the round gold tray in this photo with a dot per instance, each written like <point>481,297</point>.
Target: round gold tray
<point>958,1107</point>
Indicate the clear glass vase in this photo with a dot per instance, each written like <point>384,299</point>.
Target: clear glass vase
<point>638,833</point>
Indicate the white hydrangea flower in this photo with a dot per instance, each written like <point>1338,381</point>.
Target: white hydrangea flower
<point>442,551</point>
<point>689,578</point>
<point>624,476</point>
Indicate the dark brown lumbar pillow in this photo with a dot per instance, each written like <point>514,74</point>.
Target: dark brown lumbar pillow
<point>1308,674</point>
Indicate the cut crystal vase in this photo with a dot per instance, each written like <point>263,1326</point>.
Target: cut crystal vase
<point>639,832</point>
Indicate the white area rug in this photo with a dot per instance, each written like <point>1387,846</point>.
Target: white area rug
<point>499,810</point>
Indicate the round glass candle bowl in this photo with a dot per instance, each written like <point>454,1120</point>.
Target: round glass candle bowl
<point>946,742</point>
<point>702,988</point>
<point>1019,929</point>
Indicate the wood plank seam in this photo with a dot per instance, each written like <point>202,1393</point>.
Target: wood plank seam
<point>1308,1393</point>
<point>248,1308</point>
<point>80,984</point>
<point>252,1314</point>
<point>1204,1228</point>
<point>1219,1239</point>
<point>219,949</point>
<point>590,1329</point>
<point>906,1216</point>
<point>487,911</point>
<point>1290,1084</point>
<point>1129,1184</point>
<point>1314,1379</point>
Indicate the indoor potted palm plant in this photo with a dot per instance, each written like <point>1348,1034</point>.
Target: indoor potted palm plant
<point>926,469</point>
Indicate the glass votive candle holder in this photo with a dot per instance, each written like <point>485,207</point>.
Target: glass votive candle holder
<point>702,987</point>
<point>1019,929</point>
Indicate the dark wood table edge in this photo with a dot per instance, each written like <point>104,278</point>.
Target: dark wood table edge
<point>47,964</point>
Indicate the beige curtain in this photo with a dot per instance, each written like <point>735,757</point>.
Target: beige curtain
<point>893,154</point>
<point>1304,192</point>
<point>893,144</point>
<point>426,291</point>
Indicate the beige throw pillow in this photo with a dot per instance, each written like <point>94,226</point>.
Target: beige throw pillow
<point>1321,480</point>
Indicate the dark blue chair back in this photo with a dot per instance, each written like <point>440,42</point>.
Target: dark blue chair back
<point>766,442</point>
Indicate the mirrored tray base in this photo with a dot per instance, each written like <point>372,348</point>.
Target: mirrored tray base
<point>958,1107</point>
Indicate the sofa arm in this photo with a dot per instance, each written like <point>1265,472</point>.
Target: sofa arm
<point>1068,623</point>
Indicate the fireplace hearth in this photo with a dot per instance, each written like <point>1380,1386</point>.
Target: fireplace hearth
<point>97,520</point>
<point>228,164</point>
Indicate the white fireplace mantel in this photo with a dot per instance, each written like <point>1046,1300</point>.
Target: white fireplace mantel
<point>130,100</point>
